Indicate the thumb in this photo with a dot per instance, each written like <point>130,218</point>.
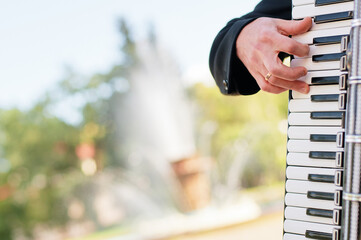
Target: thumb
<point>294,27</point>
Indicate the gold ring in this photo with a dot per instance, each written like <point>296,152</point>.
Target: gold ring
<point>268,76</point>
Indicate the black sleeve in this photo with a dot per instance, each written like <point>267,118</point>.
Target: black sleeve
<point>230,74</point>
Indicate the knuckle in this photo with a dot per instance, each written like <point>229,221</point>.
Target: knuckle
<point>253,57</point>
<point>274,70</point>
<point>266,88</point>
<point>265,35</point>
<point>291,48</point>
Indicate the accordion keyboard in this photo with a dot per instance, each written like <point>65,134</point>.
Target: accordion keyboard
<point>315,148</point>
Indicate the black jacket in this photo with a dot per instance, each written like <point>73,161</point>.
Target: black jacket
<point>230,74</point>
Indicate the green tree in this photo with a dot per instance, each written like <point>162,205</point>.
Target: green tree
<point>259,121</point>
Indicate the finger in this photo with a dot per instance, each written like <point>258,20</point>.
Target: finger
<point>274,65</point>
<point>266,86</point>
<point>294,27</point>
<point>291,46</point>
<point>298,86</point>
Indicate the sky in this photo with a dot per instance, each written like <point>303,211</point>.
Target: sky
<point>39,38</point>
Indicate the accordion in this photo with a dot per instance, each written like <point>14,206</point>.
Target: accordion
<point>323,173</point>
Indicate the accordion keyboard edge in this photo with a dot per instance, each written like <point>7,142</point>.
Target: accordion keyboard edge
<point>316,132</point>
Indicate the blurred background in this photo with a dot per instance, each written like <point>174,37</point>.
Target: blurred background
<point>111,126</point>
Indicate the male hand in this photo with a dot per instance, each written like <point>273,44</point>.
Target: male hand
<point>258,46</point>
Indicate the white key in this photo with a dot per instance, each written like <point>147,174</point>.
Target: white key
<point>301,200</point>
<point>333,25</point>
<point>306,105</point>
<point>297,213</point>
<point>299,186</point>
<point>315,66</point>
<point>310,10</point>
<point>309,36</point>
<point>318,90</point>
<point>300,227</point>
<point>305,132</point>
<point>302,159</point>
<point>304,119</point>
<point>322,49</point>
<point>307,146</point>
<point>307,79</point>
<point>288,236</point>
<point>302,2</point>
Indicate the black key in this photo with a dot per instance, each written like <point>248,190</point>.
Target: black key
<point>332,17</point>
<point>328,40</point>
<point>323,138</point>
<point>325,80</point>
<point>327,57</point>
<point>321,178</point>
<point>325,98</point>
<point>327,115</point>
<point>322,155</point>
<point>318,235</point>
<point>319,213</point>
<point>327,2</point>
<point>321,195</point>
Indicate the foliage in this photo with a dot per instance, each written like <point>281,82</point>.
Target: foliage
<point>259,121</point>
<point>45,172</point>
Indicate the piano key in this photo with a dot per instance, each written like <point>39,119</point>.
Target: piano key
<point>322,77</point>
<point>302,2</point>
<point>333,17</point>
<point>324,97</point>
<point>297,213</point>
<point>335,197</point>
<point>289,236</point>
<point>327,115</point>
<point>327,57</point>
<point>322,155</point>
<point>326,2</point>
<point>303,186</point>
<point>322,196</point>
<point>305,132</point>
<point>318,235</point>
<point>311,174</point>
<point>302,200</point>
<point>311,65</point>
<point>295,145</point>
<point>333,25</point>
<point>324,175</point>
<point>301,227</point>
<point>324,49</point>
<point>324,36</point>
<point>318,90</point>
<point>306,105</point>
<point>323,138</point>
<point>325,213</point>
<point>333,39</point>
<point>316,119</point>
<point>310,10</point>
<point>340,99</point>
<point>304,159</point>
<point>321,178</point>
